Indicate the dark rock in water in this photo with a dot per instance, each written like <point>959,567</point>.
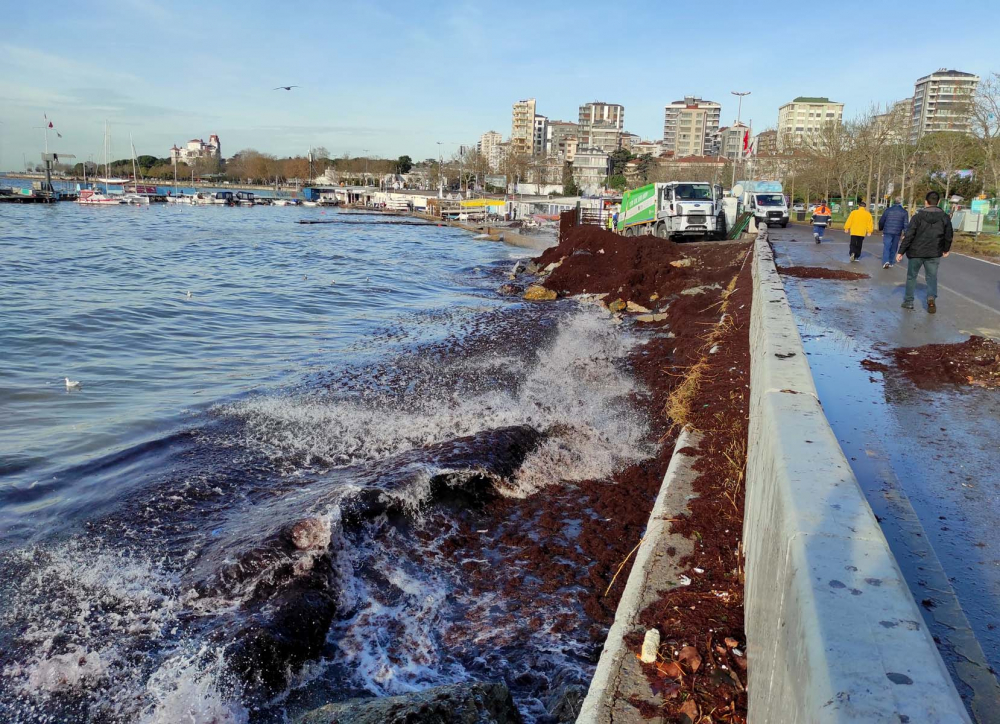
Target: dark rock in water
<point>473,703</point>
<point>509,290</point>
<point>283,633</point>
<point>468,470</point>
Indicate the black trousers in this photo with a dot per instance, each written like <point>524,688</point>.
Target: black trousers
<point>856,242</point>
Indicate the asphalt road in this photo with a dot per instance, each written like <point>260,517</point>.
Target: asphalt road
<point>928,461</point>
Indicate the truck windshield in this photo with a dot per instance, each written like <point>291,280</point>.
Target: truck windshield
<point>693,192</point>
<point>770,200</point>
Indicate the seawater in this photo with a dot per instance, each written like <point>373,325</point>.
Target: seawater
<point>277,422</point>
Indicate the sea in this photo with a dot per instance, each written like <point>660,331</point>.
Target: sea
<point>242,460</point>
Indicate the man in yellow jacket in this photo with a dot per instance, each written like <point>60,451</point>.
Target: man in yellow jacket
<point>859,225</point>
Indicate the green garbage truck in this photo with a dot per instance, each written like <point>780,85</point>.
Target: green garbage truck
<point>674,210</point>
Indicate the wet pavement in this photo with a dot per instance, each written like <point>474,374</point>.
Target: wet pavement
<point>926,459</point>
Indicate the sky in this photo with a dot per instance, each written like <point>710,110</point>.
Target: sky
<point>392,78</point>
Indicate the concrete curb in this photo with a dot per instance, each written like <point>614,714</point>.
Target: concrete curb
<point>619,676</point>
<point>833,632</point>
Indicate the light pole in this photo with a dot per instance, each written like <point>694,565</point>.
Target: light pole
<point>366,165</point>
<point>739,112</point>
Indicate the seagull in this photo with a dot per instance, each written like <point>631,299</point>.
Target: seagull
<point>189,294</point>
<point>72,384</point>
<point>285,87</point>
<point>332,282</point>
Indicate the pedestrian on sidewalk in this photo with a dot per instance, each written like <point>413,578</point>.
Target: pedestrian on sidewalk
<point>859,225</point>
<point>820,218</point>
<point>927,239</point>
<point>892,223</point>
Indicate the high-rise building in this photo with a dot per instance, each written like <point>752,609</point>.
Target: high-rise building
<point>489,148</point>
<point>767,142</point>
<point>731,140</point>
<point>895,122</point>
<point>601,125</point>
<point>801,121</point>
<point>561,139</point>
<point>522,128</point>
<point>942,102</point>
<point>691,127</point>
<point>541,129</point>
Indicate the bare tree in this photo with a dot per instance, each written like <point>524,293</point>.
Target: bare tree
<point>946,153</point>
<point>985,122</point>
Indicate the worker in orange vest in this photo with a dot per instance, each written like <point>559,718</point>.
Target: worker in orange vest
<point>821,217</point>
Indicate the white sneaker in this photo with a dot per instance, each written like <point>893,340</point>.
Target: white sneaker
<point>853,258</point>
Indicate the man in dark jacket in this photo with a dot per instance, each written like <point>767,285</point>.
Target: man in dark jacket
<point>892,223</point>
<point>927,239</point>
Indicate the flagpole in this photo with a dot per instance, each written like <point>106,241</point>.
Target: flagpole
<point>739,111</point>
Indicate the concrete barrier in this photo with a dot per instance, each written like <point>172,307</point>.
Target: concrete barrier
<point>619,682</point>
<point>833,632</point>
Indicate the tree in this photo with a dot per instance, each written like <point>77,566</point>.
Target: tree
<point>403,165</point>
<point>616,182</point>
<point>985,123</point>
<point>569,183</point>
<point>947,154</point>
<point>618,159</point>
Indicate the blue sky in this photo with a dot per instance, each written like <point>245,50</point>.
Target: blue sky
<point>395,77</point>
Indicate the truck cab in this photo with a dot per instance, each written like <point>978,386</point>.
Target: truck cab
<point>765,200</point>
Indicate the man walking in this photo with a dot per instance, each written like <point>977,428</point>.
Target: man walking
<point>892,223</point>
<point>821,217</point>
<point>859,225</point>
<point>927,239</point>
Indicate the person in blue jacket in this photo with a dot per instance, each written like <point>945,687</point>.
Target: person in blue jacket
<point>892,223</point>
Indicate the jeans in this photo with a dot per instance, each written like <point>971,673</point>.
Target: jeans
<point>890,243</point>
<point>818,231</point>
<point>930,274</point>
<point>856,242</point>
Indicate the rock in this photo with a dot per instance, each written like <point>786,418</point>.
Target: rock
<point>650,646</point>
<point>472,703</point>
<point>682,262</point>
<point>617,306</point>
<point>651,317</point>
<point>600,251</point>
<point>311,534</point>
<point>637,308</point>
<point>701,289</point>
<point>532,268</point>
<point>516,270</point>
<point>509,290</point>
<point>715,348</point>
<point>653,297</point>
<point>538,293</point>
<point>552,267</point>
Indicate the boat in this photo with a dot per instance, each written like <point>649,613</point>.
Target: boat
<point>136,197</point>
<point>287,202</point>
<point>243,198</point>
<point>94,197</point>
<point>310,203</point>
<point>327,199</point>
<point>214,198</point>
<point>91,197</point>
<point>181,199</point>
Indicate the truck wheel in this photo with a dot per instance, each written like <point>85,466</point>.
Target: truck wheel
<point>784,225</point>
<point>661,230</point>
<point>720,228</point>
<point>629,232</point>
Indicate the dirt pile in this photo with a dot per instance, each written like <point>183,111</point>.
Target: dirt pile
<point>817,272</point>
<point>975,361</point>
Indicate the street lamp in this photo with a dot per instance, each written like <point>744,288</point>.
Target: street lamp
<point>366,165</point>
<point>739,111</point>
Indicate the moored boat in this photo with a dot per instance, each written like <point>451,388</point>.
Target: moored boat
<point>90,197</point>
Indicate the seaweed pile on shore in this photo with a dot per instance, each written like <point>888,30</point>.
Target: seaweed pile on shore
<point>695,301</point>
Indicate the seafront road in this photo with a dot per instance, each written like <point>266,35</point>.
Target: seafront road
<point>927,460</point>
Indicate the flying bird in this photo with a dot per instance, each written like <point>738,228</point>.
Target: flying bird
<point>285,87</point>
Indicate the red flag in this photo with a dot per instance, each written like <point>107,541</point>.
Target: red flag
<point>50,124</point>
<point>746,141</point>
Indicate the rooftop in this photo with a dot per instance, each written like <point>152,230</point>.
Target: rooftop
<point>812,99</point>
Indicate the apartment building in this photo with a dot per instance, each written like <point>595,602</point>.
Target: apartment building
<point>590,169</point>
<point>941,102</point>
<point>767,142</point>
<point>522,128</point>
<point>489,147</point>
<point>541,129</point>
<point>731,140</point>
<point>562,139</point>
<point>601,125</point>
<point>801,121</point>
<point>895,122</point>
<point>691,127</point>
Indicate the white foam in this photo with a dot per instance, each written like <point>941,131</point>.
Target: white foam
<point>186,688</point>
<point>574,389</point>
